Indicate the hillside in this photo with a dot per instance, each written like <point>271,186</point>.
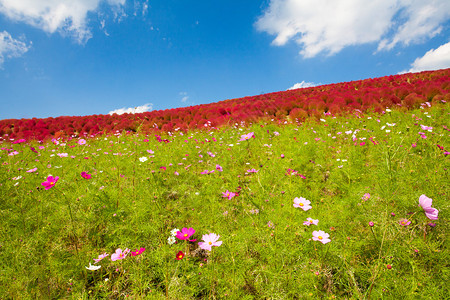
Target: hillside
<point>404,91</point>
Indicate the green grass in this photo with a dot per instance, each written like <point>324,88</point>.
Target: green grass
<point>49,236</point>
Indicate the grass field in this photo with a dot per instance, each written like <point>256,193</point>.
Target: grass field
<point>363,177</point>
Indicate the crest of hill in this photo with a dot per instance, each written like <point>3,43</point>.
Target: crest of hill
<point>405,91</point>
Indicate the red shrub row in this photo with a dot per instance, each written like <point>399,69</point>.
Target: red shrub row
<point>407,90</point>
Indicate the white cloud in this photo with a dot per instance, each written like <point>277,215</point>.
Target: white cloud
<point>65,16</point>
<point>434,59</point>
<point>10,47</point>
<point>303,84</point>
<point>133,110</point>
<point>185,97</point>
<point>329,26</point>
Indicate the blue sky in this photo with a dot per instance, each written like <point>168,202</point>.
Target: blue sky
<point>84,57</point>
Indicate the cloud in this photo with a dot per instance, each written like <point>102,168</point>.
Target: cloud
<point>322,26</point>
<point>133,110</point>
<point>69,17</point>
<point>10,47</point>
<point>434,59</point>
<point>303,84</point>
<point>185,97</point>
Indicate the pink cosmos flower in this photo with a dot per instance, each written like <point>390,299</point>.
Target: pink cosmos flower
<point>210,240</point>
<point>321,236</point>
<point>310,221</point>
<point>302,203</point>
<point>404,222</point>
<point>137,252</point>
<point>247,136</point>
<point>119,254</point>
<point>100,257</point>
<point>32,170</point>
<point>185,234</point>
<point>219,168</point>
<point>81,142</point>
<point>62,154</point>
<point>228,195</point>
<point>430,212</point>
<point>366,197</point>
<point>51,181</point>
<point>86,175</point>
<point>252,171</point>
<point>371,224</point>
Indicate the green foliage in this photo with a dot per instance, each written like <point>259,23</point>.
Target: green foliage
<point>47,237</point>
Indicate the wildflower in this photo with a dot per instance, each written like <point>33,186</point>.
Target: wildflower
<point>174,231</point>
<point>81,142</point>
<point>404,222</point>
<point>210,240</point>
<point>219,168</point>
<point>247,136</point>
<point>119,254</point>
<point>432,224</point>
<point>366,196</point>
<point>252,171</point>
<point>143,159</point>
<point>137,252</point>
<point>51,181</point>
<point>228,195</point>
<point>179,255</point>
<point>371,224</point>
<point>100,257</point>
<point>62,154</point>
<point>185,234</point>
<point>302,203</point>
<point>86,175</point>
<point>92,267</point>
<point>270,224</point>
<point>321,236</point>
<point>389,267</point>
<point>171,240</point>
<point>310,221</point>
<point>430,212</point>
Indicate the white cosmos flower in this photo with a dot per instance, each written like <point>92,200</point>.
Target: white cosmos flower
<point>92,267</point>
<point>143,159</point>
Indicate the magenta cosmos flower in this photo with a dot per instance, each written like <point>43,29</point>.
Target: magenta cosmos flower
<point>430,212</point>
<point>321,236</point>
<point>51,181</point>
<point>302,203</point>
<point>185,234</point>
<point>119,254</point>
<point>310,221</point>
<point>210,240</point>
<point>404,222</point>
<point>137,252</point>
<point>86,175</point>
<point>228,194</point>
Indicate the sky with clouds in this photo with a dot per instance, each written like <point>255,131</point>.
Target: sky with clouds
<point>85,57</point>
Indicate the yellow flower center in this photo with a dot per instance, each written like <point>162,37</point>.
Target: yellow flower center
<point>319,237</point>
<point>185,235</point>
<point>52,183</point>
<point>301,204</point>
<point>210,243</point>
<point>311,221</point>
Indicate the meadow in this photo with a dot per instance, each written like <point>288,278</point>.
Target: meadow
<point>323,208</point>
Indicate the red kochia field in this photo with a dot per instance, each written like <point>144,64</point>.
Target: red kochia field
<point>406,91</point>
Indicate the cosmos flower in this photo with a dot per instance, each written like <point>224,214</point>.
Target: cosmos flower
<point>137,252</point>
<point>51,181</point>
<point>209,241</point>
<point>179,255</point>
<point>302,203</point>
<point>100,257</point>
<point>119,254</point>
<point>366,197</point>
<point>185,234</point>
<point>310,221</point>
<point>81,142</point>
<point>404,222</point>
<point>321,236</point>
<point>143,159</point>
<point>247,136</point>
<point>86,175</point>
<point>92,267</point>
<point>228,195</point>
<point>430,212</point>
